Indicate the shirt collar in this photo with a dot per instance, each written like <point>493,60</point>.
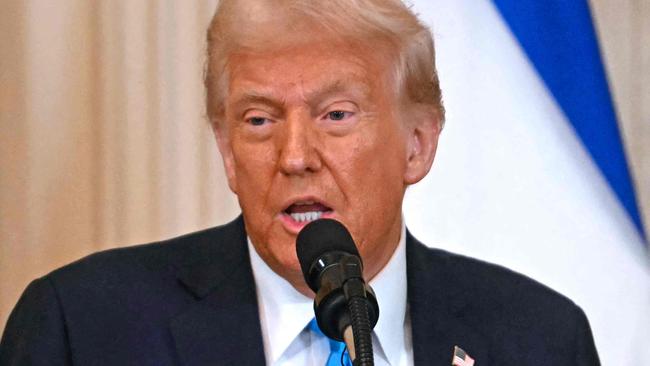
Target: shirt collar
<point>390,288</point>
<point>284,312</point>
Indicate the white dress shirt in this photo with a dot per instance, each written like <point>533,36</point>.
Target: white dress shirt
<point>285,313</point>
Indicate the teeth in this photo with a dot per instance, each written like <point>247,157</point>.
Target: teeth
<point>306,216</point>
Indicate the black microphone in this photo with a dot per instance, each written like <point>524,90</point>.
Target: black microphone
<point>345,306</point>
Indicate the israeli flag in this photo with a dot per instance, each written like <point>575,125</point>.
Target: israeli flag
<point>530,171</point>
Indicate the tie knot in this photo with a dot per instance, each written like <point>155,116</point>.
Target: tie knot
<point>313,325</point>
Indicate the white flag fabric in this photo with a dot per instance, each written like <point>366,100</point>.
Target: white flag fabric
<point>516,181</point>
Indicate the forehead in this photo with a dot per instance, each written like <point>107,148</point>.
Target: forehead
<point>312,67</point>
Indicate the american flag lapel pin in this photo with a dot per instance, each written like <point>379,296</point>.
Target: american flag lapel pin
<point>461,358</point>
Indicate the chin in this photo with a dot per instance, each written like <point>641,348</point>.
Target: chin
<point>288,265</point>
<point>281,256</point>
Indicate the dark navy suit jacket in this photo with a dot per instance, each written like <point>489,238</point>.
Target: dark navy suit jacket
<point>191,301</point>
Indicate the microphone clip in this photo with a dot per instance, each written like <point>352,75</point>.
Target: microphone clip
<point>341,280</point>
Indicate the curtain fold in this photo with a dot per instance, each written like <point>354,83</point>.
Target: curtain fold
<point>104,137</point>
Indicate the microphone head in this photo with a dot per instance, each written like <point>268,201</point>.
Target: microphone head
<point>320,237</point>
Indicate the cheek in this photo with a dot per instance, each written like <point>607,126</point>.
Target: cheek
<point>371,176</point>
<point>382,158</point>
<point>252,157</point>
<point>254,167</point>
<point>384,165</point>
<point>253,160</point>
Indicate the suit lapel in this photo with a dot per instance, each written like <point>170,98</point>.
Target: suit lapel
<point>434,303</point>
<point>221,325</point>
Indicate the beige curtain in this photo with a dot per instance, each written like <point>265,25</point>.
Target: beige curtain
<point>623,27</point>
<point>104,140</point>
<point>103,137</point>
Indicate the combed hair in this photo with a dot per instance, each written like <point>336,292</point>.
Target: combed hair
<point>257,25</point>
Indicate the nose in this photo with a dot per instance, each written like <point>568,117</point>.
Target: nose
<point>298,153</point>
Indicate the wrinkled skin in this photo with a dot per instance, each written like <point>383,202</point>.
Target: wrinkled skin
<point>321,123</point>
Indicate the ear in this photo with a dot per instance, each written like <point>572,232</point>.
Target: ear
<point>423,132</point>
<point>223,142</point>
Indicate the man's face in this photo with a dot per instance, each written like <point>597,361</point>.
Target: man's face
<point>310,132</point>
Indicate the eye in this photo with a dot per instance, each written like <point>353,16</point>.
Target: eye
<point>257,121</point>
<point>338,115</point>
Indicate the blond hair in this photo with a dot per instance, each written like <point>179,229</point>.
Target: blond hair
<point>256,25</point>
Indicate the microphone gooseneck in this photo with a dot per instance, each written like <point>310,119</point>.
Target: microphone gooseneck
<point>333,269</point>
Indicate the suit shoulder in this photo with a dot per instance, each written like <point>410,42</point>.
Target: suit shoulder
<point>131,261</point>
<point>505,282</point>
<point>489,291</point>
<point>516,314</point>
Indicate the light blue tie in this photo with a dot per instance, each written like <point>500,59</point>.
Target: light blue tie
<point>338,356</point>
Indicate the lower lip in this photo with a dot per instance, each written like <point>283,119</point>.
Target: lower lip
<point>294,227</point>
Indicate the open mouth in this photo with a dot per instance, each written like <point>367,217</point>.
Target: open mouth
<point>307,211</point>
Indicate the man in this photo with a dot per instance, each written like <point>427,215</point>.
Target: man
<point>320,109</point>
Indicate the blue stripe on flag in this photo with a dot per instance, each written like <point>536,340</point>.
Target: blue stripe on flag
<point>558,37</point>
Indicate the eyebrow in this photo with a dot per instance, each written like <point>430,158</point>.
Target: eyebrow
<point>256,97</point>
<point>312,97</point>
<point>337,86</point>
